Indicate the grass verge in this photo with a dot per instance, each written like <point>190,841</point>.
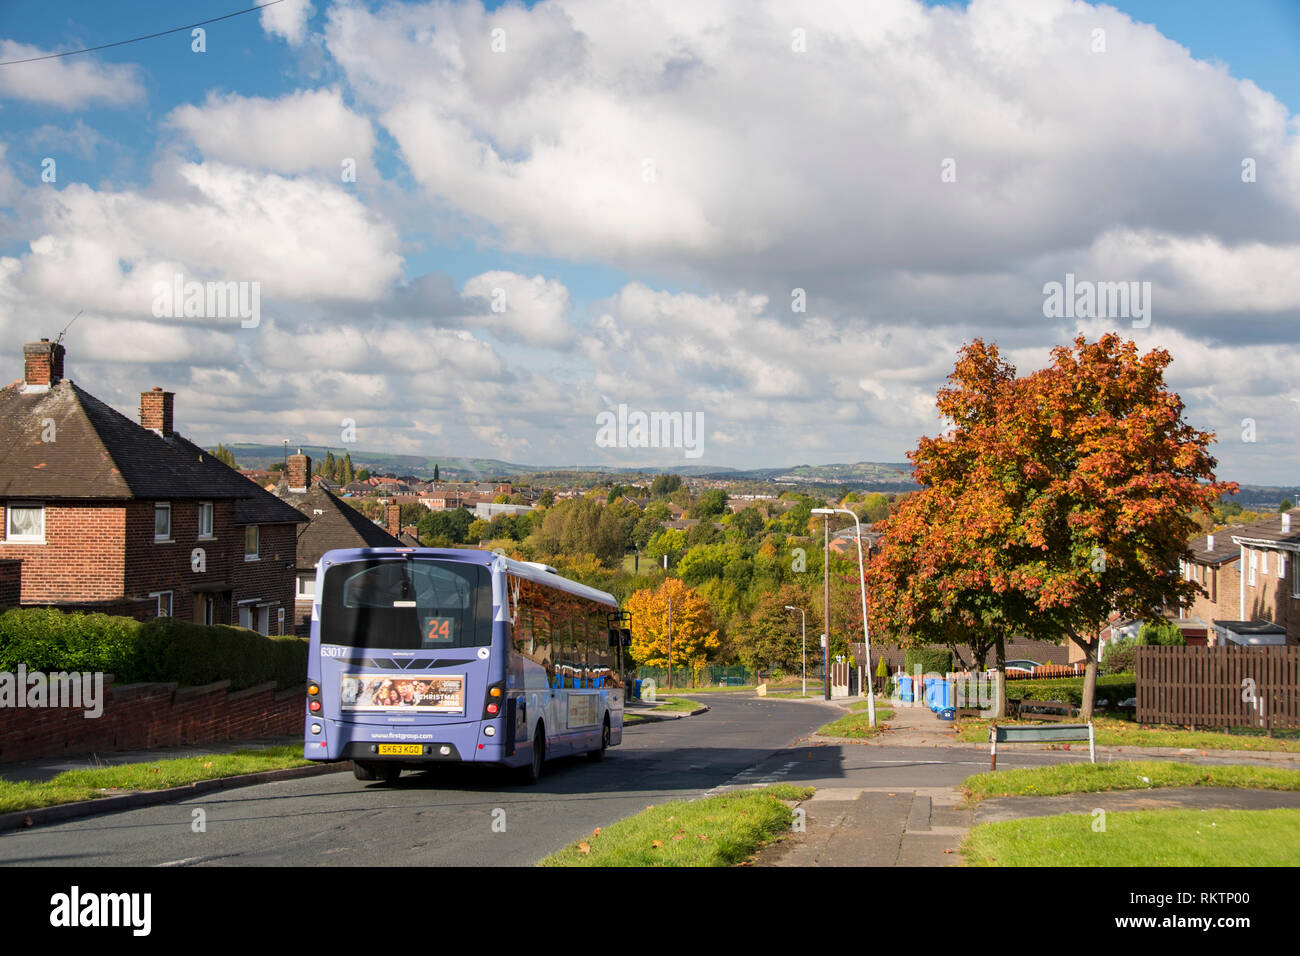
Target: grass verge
<point>73,785</point>
<point>1125,775</point>
<point>1141,838</point>
<point>1113,732</point>
<point>715,831</point>
<point>854,724</point>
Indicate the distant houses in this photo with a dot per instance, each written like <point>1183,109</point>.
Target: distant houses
<point>330,524</point>
<point>1251,575</point>
<point>102,513</point>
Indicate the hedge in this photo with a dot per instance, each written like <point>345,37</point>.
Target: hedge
<point>1070,689</point>
<point>931,661</point>
<point>165,649</point>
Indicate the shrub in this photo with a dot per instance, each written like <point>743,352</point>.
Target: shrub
<point>48,640</point>
<point>1162,633</point>
<point>1121,657</point>
<point>930,660</point>
<point>164,650</point>
<point>1114,688</point>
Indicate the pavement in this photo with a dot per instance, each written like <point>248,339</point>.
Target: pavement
<point>895,800</point>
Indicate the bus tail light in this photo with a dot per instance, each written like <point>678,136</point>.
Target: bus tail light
<point>313,697</point>
<point>495,698</point>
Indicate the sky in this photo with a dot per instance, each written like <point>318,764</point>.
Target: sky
<point>462,230</point>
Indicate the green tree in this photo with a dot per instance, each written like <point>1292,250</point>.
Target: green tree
<point>711,504</point>
<point>346,472</point>
<point>224,455</point>
<point>665,485</point>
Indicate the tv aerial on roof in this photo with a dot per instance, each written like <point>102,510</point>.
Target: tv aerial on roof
<point>68,326</point>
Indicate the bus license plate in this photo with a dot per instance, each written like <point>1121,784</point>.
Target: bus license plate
<point>413,750</point>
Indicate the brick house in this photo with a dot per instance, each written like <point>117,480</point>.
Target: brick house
<point>1252,578</point>
<point>106,514</point>
<point>330,524</point>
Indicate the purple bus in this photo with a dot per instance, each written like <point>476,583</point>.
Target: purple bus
<point>421,656</point>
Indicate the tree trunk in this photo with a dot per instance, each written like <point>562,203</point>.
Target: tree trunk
<point>1089,648</point>
<point>1000,706</point>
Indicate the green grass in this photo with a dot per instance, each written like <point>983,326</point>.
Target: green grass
<point>1125,775</point>
<point>73,785</point>
<point>1141,838</point>
<point>715,831</point>
<point>1113,732</point>
<point>855,724</point>
<point>677,705</point>
<point>705,689</point>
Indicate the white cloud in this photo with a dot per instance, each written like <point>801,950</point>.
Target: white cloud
<point>302,240</point>
<point>819,169</point>
<point>68,82</point>
<point>287,19</point>
<point>304,131</point>
<point>534,310</point>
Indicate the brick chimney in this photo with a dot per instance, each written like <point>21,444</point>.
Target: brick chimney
<point>1209,542</point>
<point>1286,521</point>
<point>394,519</point>
<point>42,364</point>
<point>156,411</point>
<point>299,473</point>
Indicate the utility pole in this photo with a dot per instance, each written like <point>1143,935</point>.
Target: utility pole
<point>826,622</point>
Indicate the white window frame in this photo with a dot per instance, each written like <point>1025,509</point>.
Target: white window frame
<point>12,538</point>
<point>308,593</point>
<point>170,603</point>
<point>1281,563</point>
<point>1253,564</point>
<point>256,554</point>
<point>206,507</point>
<point>159,506</point>
<point>1295,579</point>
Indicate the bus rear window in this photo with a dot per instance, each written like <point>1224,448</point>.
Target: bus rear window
<point>406,604</point>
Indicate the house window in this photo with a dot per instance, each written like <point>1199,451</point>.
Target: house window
<point>164,602</point>
<point>306,586</point>
<point>250,543</point>
<point>205,519</point>
<point>1295,579</point>
<point>1281,563</point>
<point>25,524</point>
<point>1254,564</point>
<point>162,521</point>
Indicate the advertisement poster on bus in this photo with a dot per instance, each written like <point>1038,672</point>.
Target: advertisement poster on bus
<point>420,693</point>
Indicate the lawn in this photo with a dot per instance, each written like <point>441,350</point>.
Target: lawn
<point>715,831</point>
<point>855,723</point>
<point>1114,732</point>
<point>1124,775</point>
<point>73,785</point>
<point>1140,838</point>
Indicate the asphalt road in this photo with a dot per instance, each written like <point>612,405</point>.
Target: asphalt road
<point>451,817</point>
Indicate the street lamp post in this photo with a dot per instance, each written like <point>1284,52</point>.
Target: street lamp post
<point>805,645</point>
<point>862,581</point>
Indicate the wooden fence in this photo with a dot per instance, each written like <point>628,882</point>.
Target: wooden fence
<point>1227,686</point>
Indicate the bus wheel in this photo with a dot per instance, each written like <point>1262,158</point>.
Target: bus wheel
<point>599,753</point>
<point>387,772</point>
<point>533,772</point>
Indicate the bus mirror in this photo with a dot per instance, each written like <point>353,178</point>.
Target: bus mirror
<point>613,636</point>
<point>626,634</point>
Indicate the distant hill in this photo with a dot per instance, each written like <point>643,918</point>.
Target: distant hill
<point>866,475</point>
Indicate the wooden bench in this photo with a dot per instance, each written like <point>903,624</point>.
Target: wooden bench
<point>1030,733</point>
<point>1045,709</point>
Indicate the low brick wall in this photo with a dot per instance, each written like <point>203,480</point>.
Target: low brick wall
<point>141,716</point>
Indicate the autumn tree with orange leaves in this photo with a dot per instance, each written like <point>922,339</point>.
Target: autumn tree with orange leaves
<point>1057,500</point>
